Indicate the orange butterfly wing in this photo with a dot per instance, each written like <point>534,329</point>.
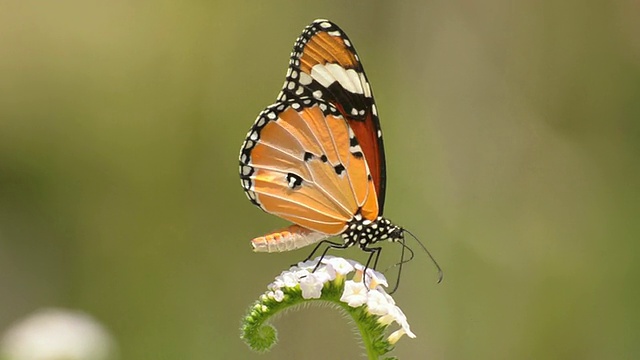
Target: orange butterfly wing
<point>301,161</point>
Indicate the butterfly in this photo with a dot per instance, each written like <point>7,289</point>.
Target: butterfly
<point>316,156</point>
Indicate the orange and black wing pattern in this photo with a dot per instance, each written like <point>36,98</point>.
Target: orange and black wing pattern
<point>324,65</point>
<point>302,162</point>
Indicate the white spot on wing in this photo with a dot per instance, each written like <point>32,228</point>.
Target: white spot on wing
<point>345,78</point>
<point>292,182</point>
<point>305,79</point>
<point>350,79</point>
<point>365,85</point>
<point>320,74</point>
<point>356,80</point>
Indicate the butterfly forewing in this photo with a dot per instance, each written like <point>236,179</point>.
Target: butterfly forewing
<point>302,162</point>
<point>324,65</point>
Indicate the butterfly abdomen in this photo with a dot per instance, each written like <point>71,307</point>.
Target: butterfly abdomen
<point>290,238</point>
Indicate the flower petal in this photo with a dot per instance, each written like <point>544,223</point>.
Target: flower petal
<point>355,294</point>
<point>311,287</point>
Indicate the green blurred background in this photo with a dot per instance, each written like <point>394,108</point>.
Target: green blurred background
<point>512,136</point>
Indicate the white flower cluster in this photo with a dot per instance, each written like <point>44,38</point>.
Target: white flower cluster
<point>52,334</point>
<point>357,292</point>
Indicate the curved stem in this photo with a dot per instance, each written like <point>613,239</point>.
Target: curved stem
<point>261,336</point>
<point>363,298</point>
<point>367,341</point>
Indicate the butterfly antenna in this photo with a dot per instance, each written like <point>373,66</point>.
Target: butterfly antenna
<point>402,262</point>
<point>440,273</point>
<point>402,259</point>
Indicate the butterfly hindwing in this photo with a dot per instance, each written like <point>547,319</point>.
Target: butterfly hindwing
<point>301,161</point>
<point>324,65</point>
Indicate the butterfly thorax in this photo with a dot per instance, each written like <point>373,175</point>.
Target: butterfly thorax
<point>363,232</point>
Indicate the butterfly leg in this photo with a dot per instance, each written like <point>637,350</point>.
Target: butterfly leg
<point>331,245</point>
<point>374,251</point>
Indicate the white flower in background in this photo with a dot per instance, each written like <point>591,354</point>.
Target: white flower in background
<point>54,334</point>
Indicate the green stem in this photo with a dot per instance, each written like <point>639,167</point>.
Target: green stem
<point>261,336</point>
<point>372,354</point>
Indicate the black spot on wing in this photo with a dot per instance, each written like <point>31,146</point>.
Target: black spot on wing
<point>308,156</point>
<point>294,181</point>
